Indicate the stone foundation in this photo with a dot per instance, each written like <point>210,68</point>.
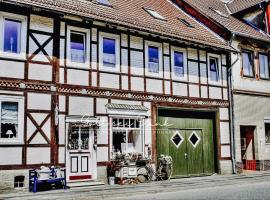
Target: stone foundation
<point>225,167</point>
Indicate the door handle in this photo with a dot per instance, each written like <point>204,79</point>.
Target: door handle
<point>186,155</point>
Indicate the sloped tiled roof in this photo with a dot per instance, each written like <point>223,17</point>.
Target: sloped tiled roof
<point>240,5</point>
<point>207,7</point>
<point>130,13</point>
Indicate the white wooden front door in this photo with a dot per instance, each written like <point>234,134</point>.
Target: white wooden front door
<point>80,159</point>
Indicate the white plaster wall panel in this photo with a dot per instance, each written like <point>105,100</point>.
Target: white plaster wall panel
<point>47,129</point>
<point>203,71</point>
<point>148,131</point>
<point>62,103</point>
<point>38,139</point>
<point>167,87</point>
<point>224,76</point>
<point>39,118</point>
<point>204,92</point>
<point>109,81</point>
<point>63,29</point>
<point>215,93</point>
<point>10,155</point>
<point>194,91</point>
<point>137,84</point>
<point>136,42</point>
<point>101,103</point>
<point>124,82</point>
<point>40,72</point>
<point>61,75</point>
<point>225,151</point>
<point>94,56</point>
<point>77,77</point>
<point>94,34</point>
<point>136,62</point>
<point>102,154</point>
<point>193,72</point>
<point>10,69</point>
<point>61,153</point>
<point>94,79</point>
<point>224,132</point>
<point>41,23</point>
<point>225,94</point>
<point>154,86</point>
<point>224,113</point>
<point>202,55</point>
<point>118,101</point>
<point>81,106</point>
<point>62,130</point>
<point>167,71</point>
<point>124,40</point>
<point>149,106</point>
<point>124,61</point>
<point>39,101</point>
<point>224,61</point>
<point>38,155</point>
<point>31,128</point>
<point>166,48</point>
<point>180,89</point>
<point>62,52</point>
<point>192,54</point>
<point>103,131</point>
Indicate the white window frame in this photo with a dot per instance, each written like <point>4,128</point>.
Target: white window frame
<point>85,65</point>
<point>117,52</point>
<point>20,101</point>
<point>142,131</point>
<point>218,57</point>
<point>184,51</point>
<point>160,56</point>
<point>23,36</point>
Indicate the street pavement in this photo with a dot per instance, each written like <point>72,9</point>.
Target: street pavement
<point>248,186</point>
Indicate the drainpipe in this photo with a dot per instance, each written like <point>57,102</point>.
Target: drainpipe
<point>231,100</point>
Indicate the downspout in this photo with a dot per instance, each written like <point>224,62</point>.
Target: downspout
<point>231,100</point>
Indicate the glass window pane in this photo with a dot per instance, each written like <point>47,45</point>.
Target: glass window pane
<point>77,47</point>
<point>109,52</point>
<point>12,31</point>
<point>104,2</point>
<point>267,133</point>
<point>247,64</point>
<point>178,64</point>
<point>153,61</point>
<point>214,69</point>
<point>9,119</point>
<point>135,141</point>
<point>85,138</point>
<point>119,141</point>
<point>264,66</point>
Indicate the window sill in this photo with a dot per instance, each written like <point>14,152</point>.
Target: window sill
<point>78,65</point>
<point>109,69</point>
<point>250,77</point>
<point>21,56</point>
<point>5,142</point>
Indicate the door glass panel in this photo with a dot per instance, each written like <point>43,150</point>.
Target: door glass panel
<point>177,139</point>
<point>194,139</point>
<point>85,138</point>
<point>74,138</point>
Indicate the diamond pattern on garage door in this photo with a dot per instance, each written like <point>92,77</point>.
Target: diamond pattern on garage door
<point>177,139</point>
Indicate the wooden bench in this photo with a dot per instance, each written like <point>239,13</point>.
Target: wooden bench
<point>34,182</point>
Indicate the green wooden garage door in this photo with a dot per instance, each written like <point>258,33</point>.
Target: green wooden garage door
<point>189,142</point>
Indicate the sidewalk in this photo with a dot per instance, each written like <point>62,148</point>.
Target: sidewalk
<point>105,191</point>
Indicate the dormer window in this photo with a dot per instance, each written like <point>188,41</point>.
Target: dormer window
<point>104,2</point>
<point>154,14</point>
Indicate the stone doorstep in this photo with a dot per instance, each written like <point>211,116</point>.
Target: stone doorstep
<point>80,184</point>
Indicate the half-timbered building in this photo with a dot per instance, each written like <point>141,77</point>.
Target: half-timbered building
<point>246,26</point>
<point>81,80</point>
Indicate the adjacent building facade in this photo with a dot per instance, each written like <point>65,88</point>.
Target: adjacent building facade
<point>81,80</point>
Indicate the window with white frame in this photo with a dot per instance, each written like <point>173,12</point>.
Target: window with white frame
<point>13,34</point>
<point>264,66</point>
<point>178,69</point>
<point>153,61</point>
<point>127,135</point>
<point>109,52</point>
<point>248,64</point>
<point>214,69</point>
<point>11,119</point>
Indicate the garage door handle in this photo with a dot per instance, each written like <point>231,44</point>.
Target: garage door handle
<point>185,155</point>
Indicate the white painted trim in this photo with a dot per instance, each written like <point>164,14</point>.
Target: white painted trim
<point>117,51</point>
<point>219,82</point>
<point>184,51</point>
<point>85,65</point>
<point>199,139</point>
<point>23,36</point>
<point>160,56</point>
<point>19,139</point>
<point>182,139</point>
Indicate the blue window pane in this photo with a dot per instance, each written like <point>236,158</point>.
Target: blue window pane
<point>109,52</point>
<point>77,47</point>
<point>104,2</point>
<point>153,59</point>
<point>248,64</point>
<point>12,31</point>
<point>213,69</point>
<point>178,64</point>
